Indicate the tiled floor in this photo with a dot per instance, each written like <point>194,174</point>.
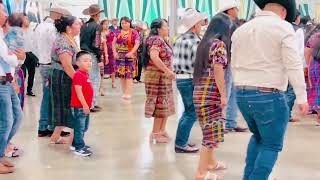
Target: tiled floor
<point>119,139</point>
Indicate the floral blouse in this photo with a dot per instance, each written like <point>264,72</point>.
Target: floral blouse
<point>61,46</point>
<point>218,53</point>
<point>122,42</point>
<point>313,40</point>
<point>165,51</point>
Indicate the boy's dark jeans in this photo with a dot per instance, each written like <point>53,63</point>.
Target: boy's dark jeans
<point>80,126</point>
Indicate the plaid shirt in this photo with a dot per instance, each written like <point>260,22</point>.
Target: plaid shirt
<point>185,49</point>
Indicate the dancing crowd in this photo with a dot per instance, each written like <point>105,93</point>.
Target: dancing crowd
<point>260,67</point>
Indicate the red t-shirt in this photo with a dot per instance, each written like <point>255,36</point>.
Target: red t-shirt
<point>81,78</point>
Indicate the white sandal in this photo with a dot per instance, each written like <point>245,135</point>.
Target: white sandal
<point>220,166</point>
<point>215,177</point>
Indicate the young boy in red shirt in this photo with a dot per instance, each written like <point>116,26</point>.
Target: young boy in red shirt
<point>81,101</point>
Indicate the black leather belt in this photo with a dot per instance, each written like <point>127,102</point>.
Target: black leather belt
<point>4,80</point>
<point>44,64</point>
<point>262,89</point>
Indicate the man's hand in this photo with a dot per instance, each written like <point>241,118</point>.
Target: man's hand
<point>304,108</point>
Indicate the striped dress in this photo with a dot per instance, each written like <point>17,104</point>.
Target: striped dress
<point>314,75</point>
<point>206,98</point>
<point>159,103</point>
<point>60,85</point>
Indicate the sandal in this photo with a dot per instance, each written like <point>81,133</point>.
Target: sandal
<point>210,176</point>
<point>12,154</point>
<point>214,176</point>
<point>220,166</point>
<point>157,138</point>
<point>59,141</point>
<point>14,147</point>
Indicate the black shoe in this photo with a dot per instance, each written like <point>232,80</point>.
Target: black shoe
<point>98,108</point>
<point>83,152</point>
<point>65,134</point>
<point>31,94</point>
<point>236,129</point>
<point>93,110</point>
<point>43,133</point>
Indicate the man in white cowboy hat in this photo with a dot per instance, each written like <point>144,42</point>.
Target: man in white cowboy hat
<point>230,7</point>
<point>264,56</point>
<point>114,24</point>
<point>45,34</point>
<point>185,48</point>
<point>90,41</point>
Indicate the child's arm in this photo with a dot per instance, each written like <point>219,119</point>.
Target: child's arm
<point>80,96</point>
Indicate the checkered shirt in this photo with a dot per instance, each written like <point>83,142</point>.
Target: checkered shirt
<point>185,49</point>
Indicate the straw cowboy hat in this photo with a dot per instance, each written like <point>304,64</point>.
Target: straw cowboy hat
<point>188,19</point>
<point>59,11</point>
<point>290,5</point>
<point>227,4</point>
<point>92,10</point>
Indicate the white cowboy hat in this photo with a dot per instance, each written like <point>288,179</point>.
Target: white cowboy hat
<point>59,10</point>
<point>188,19</point>
<point>227,4</point>
<point>140,24</point>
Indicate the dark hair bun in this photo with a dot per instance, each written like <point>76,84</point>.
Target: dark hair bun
<point>62,23</point>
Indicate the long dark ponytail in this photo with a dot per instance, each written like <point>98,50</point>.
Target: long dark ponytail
<point>154,31</point>
<point>221,27</point>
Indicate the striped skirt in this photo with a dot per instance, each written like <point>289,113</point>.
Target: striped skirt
<point>60,96</point>
<point>160,102</point>
<point>314,90</point>
<point>20,82</point>
<point>206,98</point>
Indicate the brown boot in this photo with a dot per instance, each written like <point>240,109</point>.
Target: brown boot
<point>5,169</point>
<point>6,162</point>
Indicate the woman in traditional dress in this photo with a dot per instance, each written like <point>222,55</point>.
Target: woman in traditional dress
<point>209,94</point>
<point>125,46</point>
<point>60,76</point>
<point>158,80</point>
<point>313,46</point>
<point>107,37</point>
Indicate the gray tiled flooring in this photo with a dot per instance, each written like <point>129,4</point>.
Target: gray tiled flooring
<point>119,139</point>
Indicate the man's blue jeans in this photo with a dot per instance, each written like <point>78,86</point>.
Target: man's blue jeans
<point>291,97</point>
<point>267,116</point>
<point>80,125</point>
<point>189,116</point>
<point>11,115</point>
<point>232,107</point>
<point>44,108</point>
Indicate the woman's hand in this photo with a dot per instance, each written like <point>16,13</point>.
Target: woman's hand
<point>116,55</point>
<point>129,55</point>
<point>172,76</point>
<point>224,101</point>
